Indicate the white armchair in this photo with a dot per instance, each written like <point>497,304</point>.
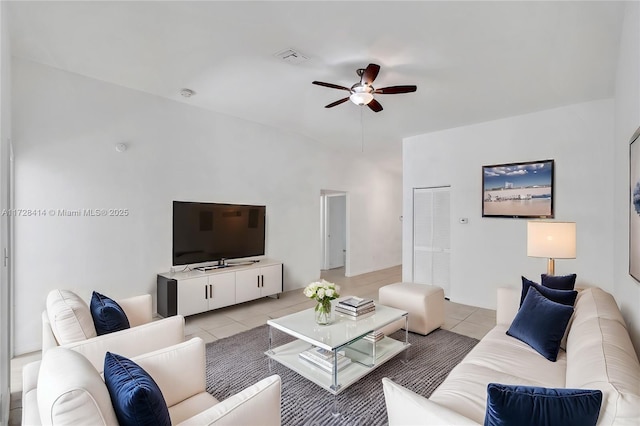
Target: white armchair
<point>71,391</point>
<point>67,322</point>
<point>139,311</point>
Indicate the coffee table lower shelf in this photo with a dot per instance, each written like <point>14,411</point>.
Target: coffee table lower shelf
<point>287,355</point>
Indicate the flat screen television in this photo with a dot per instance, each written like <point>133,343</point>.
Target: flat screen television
<point>518,190</point>
<point>206,232</point>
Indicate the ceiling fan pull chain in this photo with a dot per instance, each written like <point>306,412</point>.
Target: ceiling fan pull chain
<point>361,132</point>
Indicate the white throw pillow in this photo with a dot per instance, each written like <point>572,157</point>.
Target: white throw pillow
<point>70,317</point>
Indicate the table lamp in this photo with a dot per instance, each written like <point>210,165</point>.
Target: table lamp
<point>553,240</point>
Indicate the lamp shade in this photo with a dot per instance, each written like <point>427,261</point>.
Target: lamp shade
<point>553,240</point>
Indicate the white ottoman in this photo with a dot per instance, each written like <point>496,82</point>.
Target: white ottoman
<point>425,304</point>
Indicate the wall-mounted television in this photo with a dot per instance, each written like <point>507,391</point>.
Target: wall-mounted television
<point>207,232</point>
<point>519,190</point>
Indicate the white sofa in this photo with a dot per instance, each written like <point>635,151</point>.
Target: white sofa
<point>599,355</point>
<point>67,322</point>
<point>71,391</point>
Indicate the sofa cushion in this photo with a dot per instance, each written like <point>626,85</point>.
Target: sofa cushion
<point>259,404</point>
<point>69,316</point>
<point>107,315</point>
<point>162,363</point>
<point>541,323</point>
<point>566,297</point>
<point>538,406</point>
<point>135,396</point>
<point>496,358</point>
<point>504,355</point>
<point>559,282</point>
<point>190,407</point>
<point>71,391</point>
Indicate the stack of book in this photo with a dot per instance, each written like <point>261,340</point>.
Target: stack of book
<point>355,307</point>
<point>324,359</point>
<point>374,336</point>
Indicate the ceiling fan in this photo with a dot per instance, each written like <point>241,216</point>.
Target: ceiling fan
<point>362,92</point>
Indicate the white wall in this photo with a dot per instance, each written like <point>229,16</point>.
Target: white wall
<point>627,120</point>
<point>65,129</point>
<point>491,252</point>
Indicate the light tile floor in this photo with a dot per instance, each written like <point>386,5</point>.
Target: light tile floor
<point>210,326</point>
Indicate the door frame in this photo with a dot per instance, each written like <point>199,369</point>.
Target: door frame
<point>325,194</point>
<point>6,223</point>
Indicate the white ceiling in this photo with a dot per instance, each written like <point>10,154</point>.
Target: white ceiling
<point>472,61</point>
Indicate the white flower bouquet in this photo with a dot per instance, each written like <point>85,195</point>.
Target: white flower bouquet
<point>322,292</point>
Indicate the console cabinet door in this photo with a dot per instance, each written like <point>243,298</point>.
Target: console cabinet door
<point>192,296</point>
<point>223,290</point>
<point>247,285</point>
<point>271,279</point>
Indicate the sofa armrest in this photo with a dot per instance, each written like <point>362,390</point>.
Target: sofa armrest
<point>48,339</point>
<point>179,370</point>
<point>30,413</point>
<point>258,404</point>
<point>508,304</point>
<point>139,309</point>
<point>30,376</point>
<point>405,407</point>
<point>132,341</point>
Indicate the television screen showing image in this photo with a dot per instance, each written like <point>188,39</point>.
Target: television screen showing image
<point>518,190</point>
<point>206,232</point>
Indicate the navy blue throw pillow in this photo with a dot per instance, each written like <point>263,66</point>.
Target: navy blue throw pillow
<point>135,396</point>
<point>540,323</point>
<point>535,406</point>
<point>560,282</point>
<point>566,297</point>
<point>107,315</point>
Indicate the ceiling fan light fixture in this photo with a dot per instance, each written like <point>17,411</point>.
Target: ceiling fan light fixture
<point>361,98</point>
<point>362,93</point>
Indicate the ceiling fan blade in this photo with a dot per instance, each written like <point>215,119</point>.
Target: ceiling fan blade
<point>392,90</point>
<point>333,86</point>
<point>332,104</point>
<point>370,73</point>
<point>375,106</point>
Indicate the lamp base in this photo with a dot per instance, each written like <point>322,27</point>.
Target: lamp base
<point>551,267</point>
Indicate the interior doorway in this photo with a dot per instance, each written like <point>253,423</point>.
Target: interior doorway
<point>333,228</point>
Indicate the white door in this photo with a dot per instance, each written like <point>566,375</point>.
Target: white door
<point>336,230</point>
<point>432,236</point>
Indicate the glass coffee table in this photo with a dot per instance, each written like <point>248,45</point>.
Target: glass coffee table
<point>343,337</point>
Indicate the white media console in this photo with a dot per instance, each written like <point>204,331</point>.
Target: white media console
<point>193,292</point>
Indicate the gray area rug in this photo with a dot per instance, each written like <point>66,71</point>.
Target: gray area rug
<point>237,362</point>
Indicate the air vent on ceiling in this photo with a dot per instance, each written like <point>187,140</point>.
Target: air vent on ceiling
<point>291,56</point>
